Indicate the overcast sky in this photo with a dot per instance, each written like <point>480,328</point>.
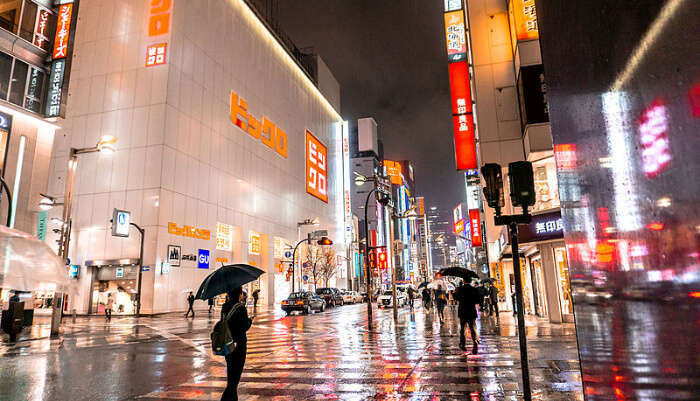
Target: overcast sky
<point>390,60</point>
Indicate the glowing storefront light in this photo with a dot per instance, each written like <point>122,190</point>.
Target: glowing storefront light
<point>653,135</point>
<point>224,237</point>
<point>254,243</point>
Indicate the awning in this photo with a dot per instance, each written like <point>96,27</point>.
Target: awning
<point>28,264</point>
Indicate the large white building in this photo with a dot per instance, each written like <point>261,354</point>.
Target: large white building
<point>219,152</point>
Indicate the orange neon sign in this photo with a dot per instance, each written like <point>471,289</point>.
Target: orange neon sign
<point>393,169</point>
<point>523,20</point>
<point>316,168</point>
<point>155,55</point>
<point>269,134</point>
<point>159,17</point>
<point>60,47</point>
<point>189,231</point>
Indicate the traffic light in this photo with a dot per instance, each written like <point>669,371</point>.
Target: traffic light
<point>493,191</point>
<point>325,241</point>
<point>522,184</point>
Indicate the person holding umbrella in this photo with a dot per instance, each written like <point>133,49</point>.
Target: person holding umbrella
<point>238,324</point>
<point>230,280</point>
<point>468,298</point>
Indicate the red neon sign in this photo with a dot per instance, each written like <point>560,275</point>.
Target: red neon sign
<point>459,85</point>
<point>653,135</point>
<point>475,225</point>
<point>60,47</point>
<point>465,146</point>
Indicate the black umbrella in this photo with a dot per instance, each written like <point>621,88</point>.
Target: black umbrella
<point>465,274</point>
<point>423,284</point>
<point>226,279</point>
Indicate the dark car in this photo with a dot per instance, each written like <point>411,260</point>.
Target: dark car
<point>332,296</point>
<point>304,302</point>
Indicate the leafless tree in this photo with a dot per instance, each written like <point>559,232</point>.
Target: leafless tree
<point>328,265</point>
<point>314,263</point>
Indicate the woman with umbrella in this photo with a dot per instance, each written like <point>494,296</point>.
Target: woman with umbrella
<point>230,279</point>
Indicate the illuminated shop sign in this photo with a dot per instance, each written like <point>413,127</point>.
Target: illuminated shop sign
<point>254,243</point>
<point>347,195</point>
<point>203,259</point>
<point>459,87</point>
<point>42,31</point>
<point>55,93</point>
<point>459,227</point>
<point>565,156</point>
<point>159,17</point>
<point>465,143</point>
<point>266,131</point>
<point>547,226</point>
<point>523,20</point>
<point>189,231</point>
<point>224,237</point>
<point>455,35</point>
<point>653,136</point>
<point>394,171</point>
<point>174,255</point>
<point>316,168</point>
<point>60,44</point>
<point>155,54</point>
<point>421,205</point>
<point>452,5</point>
<point>475,227</point>
<point>458,218</point>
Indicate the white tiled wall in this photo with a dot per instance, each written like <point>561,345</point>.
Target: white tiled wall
<point>179,158</point>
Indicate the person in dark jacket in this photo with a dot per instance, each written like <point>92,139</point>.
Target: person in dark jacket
<point>411,295</point>
<point>210,301</point>
<point>256,296</point>
<point>426,298</point>
<point>190,301</point>
<point>238,325</point>
<point>468,297</point>
<point>493,296</point>
<point>440,302</point>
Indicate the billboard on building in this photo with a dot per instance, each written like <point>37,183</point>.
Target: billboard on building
<point>523,20</point>
<point>316,168</point>
<point>475,227</point>
<point>455,35</point>
<point>465,142</point>
<point>459,87</point>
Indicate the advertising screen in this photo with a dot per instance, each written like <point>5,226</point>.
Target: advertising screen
<point>455,36</point>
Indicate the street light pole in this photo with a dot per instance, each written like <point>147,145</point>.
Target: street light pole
<point>138,284</point>
<point>367,272</point>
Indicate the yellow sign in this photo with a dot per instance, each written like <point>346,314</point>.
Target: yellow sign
<point>523,20</point>
<point>222,260</point>
<point>224,237</point>
<point>271,136</point>
<point>254,243</point>
<point>189,231</point>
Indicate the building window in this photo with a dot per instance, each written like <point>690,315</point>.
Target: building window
<point>19,82</point>
<point>9,14</point>
<point>5,70</point>
<point>26,31</point>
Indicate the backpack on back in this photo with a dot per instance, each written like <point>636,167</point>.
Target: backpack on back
<point>221,340</point>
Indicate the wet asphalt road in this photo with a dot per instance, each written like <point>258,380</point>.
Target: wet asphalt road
<point>328,355</point>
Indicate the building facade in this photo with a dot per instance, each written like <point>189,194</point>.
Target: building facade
<point>224,144</point>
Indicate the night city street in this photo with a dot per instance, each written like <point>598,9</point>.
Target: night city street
<point>327,355</point>
<point>334,199</point>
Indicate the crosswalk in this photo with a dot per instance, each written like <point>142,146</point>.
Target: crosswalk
<point>332,356</point>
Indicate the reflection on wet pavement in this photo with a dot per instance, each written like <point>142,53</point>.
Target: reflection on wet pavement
<point>322,356</point>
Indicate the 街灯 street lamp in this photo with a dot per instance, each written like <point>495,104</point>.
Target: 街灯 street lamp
<point>307,222</point>
<point>324,241</point>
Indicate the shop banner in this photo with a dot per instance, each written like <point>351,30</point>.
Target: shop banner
<point>533,95</point>
<point>455,36</point>
<point>459,88</point>
<point>544,227</point>
<point>465,142</point>
<point>475,227</point>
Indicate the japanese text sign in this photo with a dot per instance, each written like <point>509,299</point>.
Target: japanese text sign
<point>156,54</point>
<point>455,36</point>
<point>316,168</point>
<point>475,227</point>
<point>55,92</point>
<point>189,231</point>
<point>224,237</point>
<point>254,243</point>
<point>459,87</point>
<point>523,19</point>
<point>159,17</point>
<point>41,33</point>
<point>266,131</point>
<point>393,169</point>
<point>543,227</point>
<point>452,5</point>
<point>465,142</point>
<point>60,44</point>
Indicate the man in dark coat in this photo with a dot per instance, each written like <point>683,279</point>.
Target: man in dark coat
<point>493,295</point>
<point>468,298</point>
<point>190,302</point>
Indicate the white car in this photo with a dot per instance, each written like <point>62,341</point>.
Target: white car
<point>385,300</point>
<point>351,297</point>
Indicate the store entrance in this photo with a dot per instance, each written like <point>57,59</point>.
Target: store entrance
<point>114,281</point>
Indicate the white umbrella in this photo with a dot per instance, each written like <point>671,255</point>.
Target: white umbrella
<point>446,286</point>
<point>28,264</point>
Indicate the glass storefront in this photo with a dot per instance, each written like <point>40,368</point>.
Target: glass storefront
<point>123,293</point>
<point>562,265</point>
<point>537,277</point>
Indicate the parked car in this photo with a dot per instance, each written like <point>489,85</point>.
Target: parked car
<point>386,298</point>
<point>304,302</point>
<point>351,297</point>
<point>332,296</point>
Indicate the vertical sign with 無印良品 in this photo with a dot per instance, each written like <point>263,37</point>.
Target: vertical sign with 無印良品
<point>62,57</point>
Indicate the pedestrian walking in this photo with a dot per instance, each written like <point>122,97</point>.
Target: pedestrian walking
<point>492,292</point>
<point>411,295</point>
<point>256,295</point>
<point>190,301</point>
<point>426,298</point>
<point>210,301</point>
<point>468,297</point>
<point>484,299</point>
<point>238,324</point>
<point>108,308</point>
<point>440,302</point>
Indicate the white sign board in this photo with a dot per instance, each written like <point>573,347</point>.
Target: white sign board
<point>121,220</point>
